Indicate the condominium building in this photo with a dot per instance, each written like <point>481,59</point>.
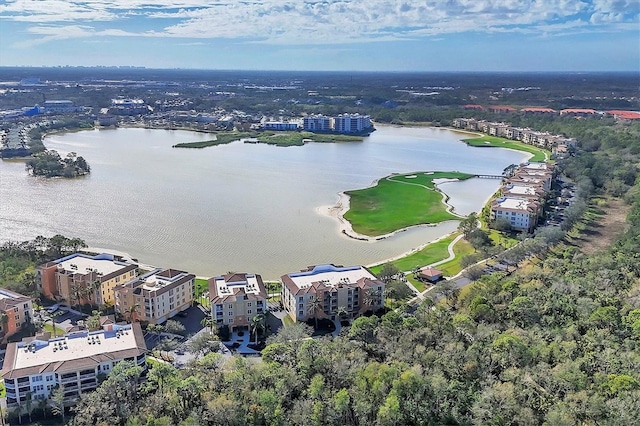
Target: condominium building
<point>522,190</point>
<point>317,123</point>
<point>330,291</point>
<point>236,299</point>
<point>351,123</point>
<point>521,213</point>
<point>39,364</point>
<point>280,125</point>
<point>18,310</point>
<point>155,296</point>
<point>79,278</point>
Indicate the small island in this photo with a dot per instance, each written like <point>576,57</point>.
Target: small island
<point>50,164</point>
<point>292,138</point>
<point>400,201</point>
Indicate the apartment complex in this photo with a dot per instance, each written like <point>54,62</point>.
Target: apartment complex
<point>523,195</point>
<point>39,364</point>
<point>343,123</point>
<point>330,291</point>
<point>236,299</point>
<point>80,278</point>
<point>531,137</point>
<point>155,296</point>
<point>18,310</point>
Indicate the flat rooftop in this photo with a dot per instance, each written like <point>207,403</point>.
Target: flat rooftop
<point>513,203</point>
<point>83,264</point>
<point>249,284</point>
<point>330,275</point>
<point>521,190</point>
<point>74,346</point>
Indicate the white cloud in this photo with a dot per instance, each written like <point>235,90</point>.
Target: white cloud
<point>317,21</point>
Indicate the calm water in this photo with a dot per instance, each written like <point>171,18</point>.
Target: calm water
<point>236,207</point>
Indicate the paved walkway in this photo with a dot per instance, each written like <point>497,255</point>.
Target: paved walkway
<point>336,322</point>
<point>244,341</point>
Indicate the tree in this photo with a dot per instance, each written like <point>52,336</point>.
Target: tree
<point>313,306</point>
<point>388,272</point>
<point>76,293</point>
<point>57,402</point>
<point>161,374</point>
<point>174,327</point>
<point>4,320</point>
<point>468,224</point>
<point>258,322</point>
<point>479,238</point>
<point>204,343</point>
<point>131,312</point>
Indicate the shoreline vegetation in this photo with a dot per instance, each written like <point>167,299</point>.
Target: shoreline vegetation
<point>282,139</point>
<point>485,141</point>
<point>398,202</point>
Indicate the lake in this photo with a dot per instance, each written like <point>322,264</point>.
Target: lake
<point>237,207</point>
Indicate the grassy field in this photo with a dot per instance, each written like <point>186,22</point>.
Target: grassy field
<point>398,202</point>
<point>58,332</point>
<point>452,267</point>
<point>271,138</point>
<point>539,154</point>
<point>221,139</point>
<point>428,255</point>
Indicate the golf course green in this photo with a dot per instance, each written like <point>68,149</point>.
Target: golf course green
<point>399,201</point>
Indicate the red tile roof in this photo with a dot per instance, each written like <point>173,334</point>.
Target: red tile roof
<point>536,109</point>
<point>625,115</point>
<point>578,111</point>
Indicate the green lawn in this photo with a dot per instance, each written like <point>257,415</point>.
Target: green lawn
<point>59,331</point>
<point>271,138</point>
<point>428,255</point>
<point>452,267</point>
<point>398,202</point>
<point>202,285</point>
<point>539,154</point>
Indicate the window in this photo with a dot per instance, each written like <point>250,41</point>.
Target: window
<point>230,320</point>
<point>301,305</point>
<point>230,306</point>
<point>300,299</point>
<point>26,306</point>
<point>117,279</point>
<point>230,313</point>
<point>50,378</point>
<point>248,303</point>
<point>249,312</point>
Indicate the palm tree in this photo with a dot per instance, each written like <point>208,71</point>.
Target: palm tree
<point>342,312</point>
<point>132,312</point>
<point>208,322</point>
<point>258,323</point>
<point>57,402</point>
<point>29,404</point>
<point>4,320</point>
<point>313,306</point>
<point>90,292</point>
<point>76,293</point>
<point>371,297</point>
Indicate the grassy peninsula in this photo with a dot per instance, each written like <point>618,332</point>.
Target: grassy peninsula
<point>271,138</point>
<point>539,154</point>
<point>399,201</point>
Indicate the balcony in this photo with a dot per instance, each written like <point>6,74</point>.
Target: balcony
<point>69,380</point>
<point>87,376</point>
<point>70,388</point>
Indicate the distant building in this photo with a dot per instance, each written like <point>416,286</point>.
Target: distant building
<point>236,299</point>
<point>578,112</point>
<point>501,109</point>
<point>60,107</point>
<point>18,310</point>
<point>539,111</point>
<point>624,116</point>
<point>94,276</point>
<point>333,290</point>
<point>107,120</point>
<point>280,126</point>
<point>156,296</point>
<point>317,123</point>
<point>38,365</point>
<point>351,123</point>
<point>128,107</point>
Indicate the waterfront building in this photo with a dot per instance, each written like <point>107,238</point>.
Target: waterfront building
<point>351,123</point>
<point>37,365</point>
<point>521,213</point>
<point>317,123</point>
<point>330,291</point>
<point>83,278</point>
<point>280,126</point>
<point>155,296</point>
<point>539,111</point>
<point>236,299</point>
<point>430,274</point>
<point>18,311</point>
<point>523,190</point>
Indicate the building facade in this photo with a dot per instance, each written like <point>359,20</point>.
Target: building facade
<point>351,123</point>
<point>17,310</point>
<point>155,296</point>
<point>80,278</point>
<point>332,292</point>
<point>37,365</point>
<point>236,299</point>
<point>317,123</point>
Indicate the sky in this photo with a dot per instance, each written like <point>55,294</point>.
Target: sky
<point>353,35</point>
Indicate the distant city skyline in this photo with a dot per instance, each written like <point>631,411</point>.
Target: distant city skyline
<point>329,35</point>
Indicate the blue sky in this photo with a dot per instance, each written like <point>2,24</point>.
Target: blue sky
<point>376,35</point>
